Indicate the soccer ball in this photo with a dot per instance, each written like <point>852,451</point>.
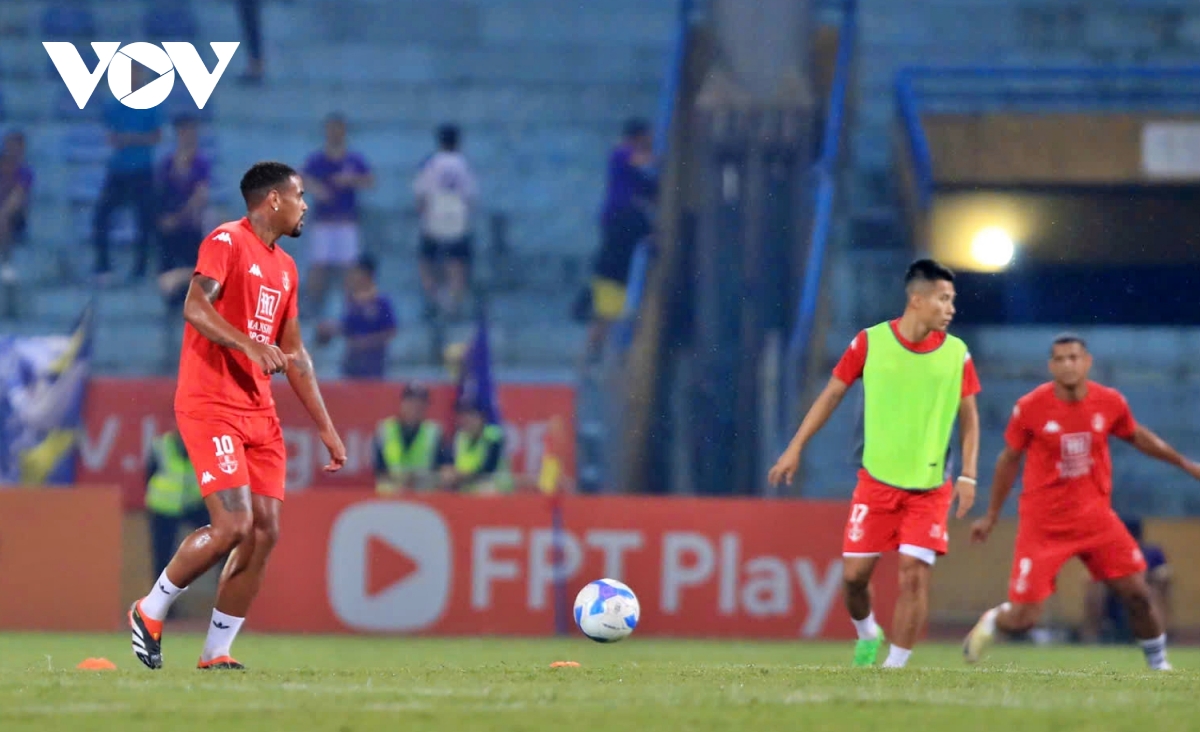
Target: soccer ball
<point>606,610</point>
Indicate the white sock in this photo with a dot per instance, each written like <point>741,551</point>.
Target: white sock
<point>1156,652</point>
<point>897,657</point>
<point>158,601</point>
<point>221,632</point>
<point>989,618</point>
<point>867,628</point>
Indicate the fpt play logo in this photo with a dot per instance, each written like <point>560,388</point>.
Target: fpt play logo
<point>118,61</point>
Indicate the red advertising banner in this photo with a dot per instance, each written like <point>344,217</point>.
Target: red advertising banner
<point>122,416</point>
<point>60,559</point>
<point>462,565</point>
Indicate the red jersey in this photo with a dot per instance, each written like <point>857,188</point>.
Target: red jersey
<point>850,368</point>
<point>258,294</point>
<point>1068,470</point>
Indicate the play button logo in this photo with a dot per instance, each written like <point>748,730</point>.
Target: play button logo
<point>385,566</point>
<point>389,566</point>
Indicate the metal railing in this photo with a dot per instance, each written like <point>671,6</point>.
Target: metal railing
<point>825,174</point>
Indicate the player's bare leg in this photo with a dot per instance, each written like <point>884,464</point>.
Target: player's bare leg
<point>856,591</point>
<point>912,609</point>
<point>231,522</point>
<point>1144,618</point>
<point>1010,618</point>
<point>240,582</point>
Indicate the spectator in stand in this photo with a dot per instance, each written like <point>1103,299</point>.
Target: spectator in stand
<point>16,186</point>
<point>133,135</point>
<point>182,183</point>
<point>250,12</point>
<point>446,191</point>
<point>625,221</point>
<point>333,175</point>
<point>368,324</point>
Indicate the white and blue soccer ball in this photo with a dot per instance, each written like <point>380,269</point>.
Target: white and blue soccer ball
<point>607,610</point>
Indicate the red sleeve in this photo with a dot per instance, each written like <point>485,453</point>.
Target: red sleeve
<point>970,381</point>
<point>1123,424</point>
<point>216,253</point>
<point>850,368</point>
<point>293,309</point>
<point>1017,435</point>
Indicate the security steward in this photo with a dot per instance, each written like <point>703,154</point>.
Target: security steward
<point>173,499</point>
<point>476,463</point>
<point>407,448</point>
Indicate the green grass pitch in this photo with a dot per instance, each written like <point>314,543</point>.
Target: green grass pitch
<point>640,685</point>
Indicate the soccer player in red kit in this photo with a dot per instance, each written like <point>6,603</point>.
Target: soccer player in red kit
<point>918,380</point>
<point>241,328</point>
<point>1066,506</point>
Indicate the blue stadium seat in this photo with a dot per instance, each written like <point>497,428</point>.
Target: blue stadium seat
<point>85,144</point>
<point>65,108</point>
<point>68,22</point>
<point>3,116</point>
<point>174,22</point>
<point>84,185</point>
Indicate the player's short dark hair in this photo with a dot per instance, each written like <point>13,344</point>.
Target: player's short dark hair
<point>1065,339</point>
<point>635,127</point>
<point>366,262</point>
<point>448,136</point>
<point>415,390</point>
<point>261,178</point>
<point>927,270</point>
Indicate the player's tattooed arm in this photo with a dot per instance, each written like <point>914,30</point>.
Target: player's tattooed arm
<point>210,287</point>
<point>198,310</point>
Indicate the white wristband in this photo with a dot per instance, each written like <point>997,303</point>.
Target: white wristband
<point>965,479</point>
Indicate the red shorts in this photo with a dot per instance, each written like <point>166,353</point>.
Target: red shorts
<point>1107,550</point>
<point>229,451</point>
<point>883,517</point>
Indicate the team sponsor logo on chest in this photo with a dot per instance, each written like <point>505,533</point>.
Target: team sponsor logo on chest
<point>266,307</point>
<point>1075,455</point>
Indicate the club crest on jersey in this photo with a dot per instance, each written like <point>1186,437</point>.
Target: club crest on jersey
<point>227,465</point>
<point>1098,422</point>
<point>287,282</point>
<point>268,303</point>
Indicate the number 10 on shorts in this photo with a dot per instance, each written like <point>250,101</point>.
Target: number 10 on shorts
<point>226,462</point>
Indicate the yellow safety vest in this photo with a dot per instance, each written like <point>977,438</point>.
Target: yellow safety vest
<point>400,461</point>
<point>470,456</point>
<point>173,490</point>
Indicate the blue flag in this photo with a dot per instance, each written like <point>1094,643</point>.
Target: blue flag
<point>475,383</point>
<point>43,380</point>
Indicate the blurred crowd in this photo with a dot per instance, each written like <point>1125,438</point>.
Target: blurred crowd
<point>170,199</point>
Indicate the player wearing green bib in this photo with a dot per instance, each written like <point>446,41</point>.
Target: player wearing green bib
<point>917,380</point>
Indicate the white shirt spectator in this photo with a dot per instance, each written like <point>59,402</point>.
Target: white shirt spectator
<point>446,192</point>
